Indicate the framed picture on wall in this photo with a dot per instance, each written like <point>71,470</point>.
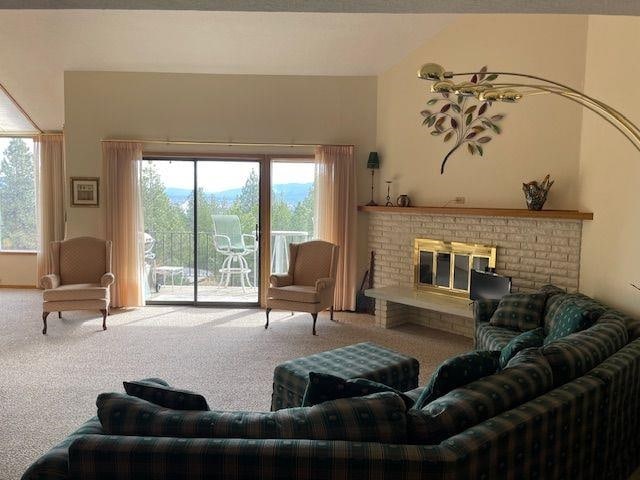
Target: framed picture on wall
<point>85,191</point>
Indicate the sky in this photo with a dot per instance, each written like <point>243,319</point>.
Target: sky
<point>217,176</point>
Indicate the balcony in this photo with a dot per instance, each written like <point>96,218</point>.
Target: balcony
<point>170,274</point>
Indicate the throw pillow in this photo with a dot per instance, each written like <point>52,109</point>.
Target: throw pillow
<point>323,387</point>
<point>520,311</point>
<point>570,317</point>
<point>527,376</point>
<point>380,417</point>
<point>532,338</point>
<point>166,396</point>
<point>456,372</point>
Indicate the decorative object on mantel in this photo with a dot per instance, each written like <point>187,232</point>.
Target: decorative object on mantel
<point>373,163</point>
<point>388,204</point>
<point>536,193</point>
<point>403,201</point>
<point>465,117</point>
<point>511,92</point>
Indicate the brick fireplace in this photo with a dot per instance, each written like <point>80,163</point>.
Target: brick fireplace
<point>533,251</point>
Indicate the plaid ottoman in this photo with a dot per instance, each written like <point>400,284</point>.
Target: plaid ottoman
<point>362,360</point>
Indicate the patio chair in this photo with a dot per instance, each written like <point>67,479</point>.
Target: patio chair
<point>229,240</point>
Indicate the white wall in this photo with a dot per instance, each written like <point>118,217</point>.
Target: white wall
<point>610,167</point>
<point>18,269</point>
<point>540,135</point>
<point>241,108</point>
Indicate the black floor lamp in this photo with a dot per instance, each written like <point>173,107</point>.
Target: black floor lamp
<point>373,163</point>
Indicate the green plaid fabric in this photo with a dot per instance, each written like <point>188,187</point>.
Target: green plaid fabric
<point>489,337</point>
<point>618,441</point>
<point>532,338</point>
<point>377,417</point>
<point>528,377</point>
<point>323,387</point>
<point>520,311</point>
<point>362,360</point>
<point>632,324</point>
<point>99,457</point>
<point>574,355</point>
<point>566,314</point>
<point>483,309</point>
<point>166,396</point>
<point>456,372</point>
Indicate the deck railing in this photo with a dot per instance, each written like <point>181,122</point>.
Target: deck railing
<point>176,249</point>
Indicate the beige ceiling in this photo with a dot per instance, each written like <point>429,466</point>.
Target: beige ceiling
<point>39,45</point>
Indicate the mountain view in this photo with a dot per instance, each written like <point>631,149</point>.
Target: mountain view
<point>290,193</point>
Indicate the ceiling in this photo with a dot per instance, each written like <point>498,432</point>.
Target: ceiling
<point>38,46</point>
<point>610,7</point>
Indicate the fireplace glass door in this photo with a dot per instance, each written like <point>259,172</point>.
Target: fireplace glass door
<point>446,267</point>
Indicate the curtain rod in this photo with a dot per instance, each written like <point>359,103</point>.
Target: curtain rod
<point>19,107</point>
<point>219,144</point>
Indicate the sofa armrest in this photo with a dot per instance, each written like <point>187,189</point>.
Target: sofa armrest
<point>280,280</point>
<point>324,283</point>
<point>50,281</point>
<point>483,309</point>
<point>107,279</point>
<point>101,457</point>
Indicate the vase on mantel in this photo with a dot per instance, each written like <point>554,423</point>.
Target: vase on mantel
<point>535,193</point>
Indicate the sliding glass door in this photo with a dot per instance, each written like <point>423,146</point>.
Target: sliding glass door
<point>201,242</point>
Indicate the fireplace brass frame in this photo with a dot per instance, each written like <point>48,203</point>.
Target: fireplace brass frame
<point>473,250</point>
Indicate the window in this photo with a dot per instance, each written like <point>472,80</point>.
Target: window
<point>18,216</point>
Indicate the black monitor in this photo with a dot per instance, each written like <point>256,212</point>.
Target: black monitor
<point>487,285</point>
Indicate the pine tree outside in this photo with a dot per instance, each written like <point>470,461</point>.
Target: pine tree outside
<point>18,195</point>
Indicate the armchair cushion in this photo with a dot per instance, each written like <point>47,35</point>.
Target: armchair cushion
<point>80,291</point>
<point>280,280</point>
<point>107,279</point>
<point>295,293</point>
<point>50,281</point>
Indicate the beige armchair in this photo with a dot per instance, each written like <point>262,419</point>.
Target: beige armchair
<point>80,278</point>
<point>309,284</point>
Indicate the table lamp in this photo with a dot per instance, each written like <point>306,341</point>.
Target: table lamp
<point>373,163</point>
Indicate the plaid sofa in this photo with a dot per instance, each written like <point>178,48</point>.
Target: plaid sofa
<point>586,427</point>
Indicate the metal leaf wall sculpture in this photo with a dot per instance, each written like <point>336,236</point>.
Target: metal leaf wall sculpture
<point>462,118</point>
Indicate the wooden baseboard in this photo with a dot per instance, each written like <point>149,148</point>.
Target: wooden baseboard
<point>32,287</point>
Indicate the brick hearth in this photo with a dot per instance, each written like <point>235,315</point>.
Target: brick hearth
<point>532,251</point>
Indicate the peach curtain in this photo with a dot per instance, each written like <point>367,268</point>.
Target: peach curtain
<point>49,154</point>
<point>336,215</point>
<point>121,161</point>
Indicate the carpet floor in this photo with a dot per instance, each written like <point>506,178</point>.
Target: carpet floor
<point>48,384</point>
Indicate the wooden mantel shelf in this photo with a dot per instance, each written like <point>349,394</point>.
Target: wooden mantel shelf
<point>482,212</point>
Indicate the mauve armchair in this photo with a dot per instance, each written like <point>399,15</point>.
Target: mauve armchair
<point>309,284</point>
<point>80,278</point>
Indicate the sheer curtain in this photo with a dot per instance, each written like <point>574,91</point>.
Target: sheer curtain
<point>49,154</point>
<point>336,214</point>
<point>124,220</point>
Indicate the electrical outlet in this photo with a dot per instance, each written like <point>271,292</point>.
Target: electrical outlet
<point>460,200</point>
